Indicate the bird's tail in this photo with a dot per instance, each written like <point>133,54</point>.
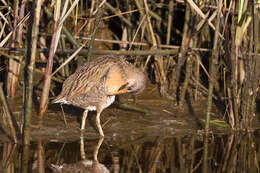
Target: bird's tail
<point>59,99</point>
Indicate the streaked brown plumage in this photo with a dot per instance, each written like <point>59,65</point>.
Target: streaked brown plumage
<point>94,85</point>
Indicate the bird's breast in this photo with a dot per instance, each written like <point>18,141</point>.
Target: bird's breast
<point>108,101</point>
<point>91,108</point>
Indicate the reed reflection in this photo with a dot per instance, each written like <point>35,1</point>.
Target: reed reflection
<point>236,152</point>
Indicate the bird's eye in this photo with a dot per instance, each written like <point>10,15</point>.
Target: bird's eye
<point>131,88</point>
<point>123,86</point>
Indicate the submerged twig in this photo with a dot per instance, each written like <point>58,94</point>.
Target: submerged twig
<point>134,108</point>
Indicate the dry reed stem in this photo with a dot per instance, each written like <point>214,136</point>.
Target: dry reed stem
<point>67,60</point>
<point>20,27</point>
<point>3,17</point>
<point>30,69</point>
<point>125,20</point>
<point>200,13</point>
<point>213,71</point>
<point>57,27</point>
<point>107,41</point>
<point>75,28</point>
<point>40,157</point>
<point>233,84</point>
<point>3,29</point>
<point>135,35</point>
<point>12,67</point>
<point>10,121</point>
<point>64,17</point>
<point>182,53</point>
<point>4,41</point>
<point>47,80</point>
<point>159,60</point>
<point>170,15</point>
<point>96,26</point>
<point>20,44</point>
<point>205,165</point>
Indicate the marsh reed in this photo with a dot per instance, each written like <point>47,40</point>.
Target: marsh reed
<point>174,41</point>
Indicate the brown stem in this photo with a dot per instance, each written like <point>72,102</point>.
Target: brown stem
<point>32,44</point>
<point>8,113</point>
<point>183,49</point>
<point>233,57</point>
<point>13,67</point>
<point>47,82</point>
<point>213,65</point>
<point>97,22</point>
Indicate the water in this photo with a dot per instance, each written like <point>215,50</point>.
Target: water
<point>134,154</point>
<point>163,140</point>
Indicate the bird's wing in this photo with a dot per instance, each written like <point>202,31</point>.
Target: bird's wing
<point>88,76</point>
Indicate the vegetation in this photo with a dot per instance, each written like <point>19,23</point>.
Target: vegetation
<point>187,48</point>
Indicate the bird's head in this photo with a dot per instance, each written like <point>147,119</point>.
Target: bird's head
<point>136,81</point>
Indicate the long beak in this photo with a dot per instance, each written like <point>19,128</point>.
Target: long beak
<point>121,91</point>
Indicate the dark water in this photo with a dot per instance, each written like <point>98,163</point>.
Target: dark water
<point>234,152</point>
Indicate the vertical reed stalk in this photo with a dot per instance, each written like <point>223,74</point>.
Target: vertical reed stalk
<point>183,49</point>
<point>180,154</point>
<point>76,19</point>
<point>69,36</point>
<point>97,22</point>
<point>233,57</point>
<point>188,59</point>
<point>18,38</point>
<point>188,74</point>
<point>13,65</point>
<point>20,28</point>
<point>24,167</point>
<point>246,103</point>
<point>9,151</point>
<point>40,157</point>
<point>205,153</point>
<point>197,75</point>
<point>30,61</point>
<point>47,82</point>
<point>256,48</point>
<point>213,65</point>
<point>171,5</point>
<point>8,113</point>
<point>192,148</point>
<point>249,93</point>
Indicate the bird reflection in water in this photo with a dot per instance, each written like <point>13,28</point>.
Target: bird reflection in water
<point>83,166</point>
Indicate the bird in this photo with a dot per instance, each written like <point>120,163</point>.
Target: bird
<point>95,84</point>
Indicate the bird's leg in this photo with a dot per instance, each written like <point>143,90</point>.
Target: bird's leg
<point>98,123</point>
<point>83,121</point>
